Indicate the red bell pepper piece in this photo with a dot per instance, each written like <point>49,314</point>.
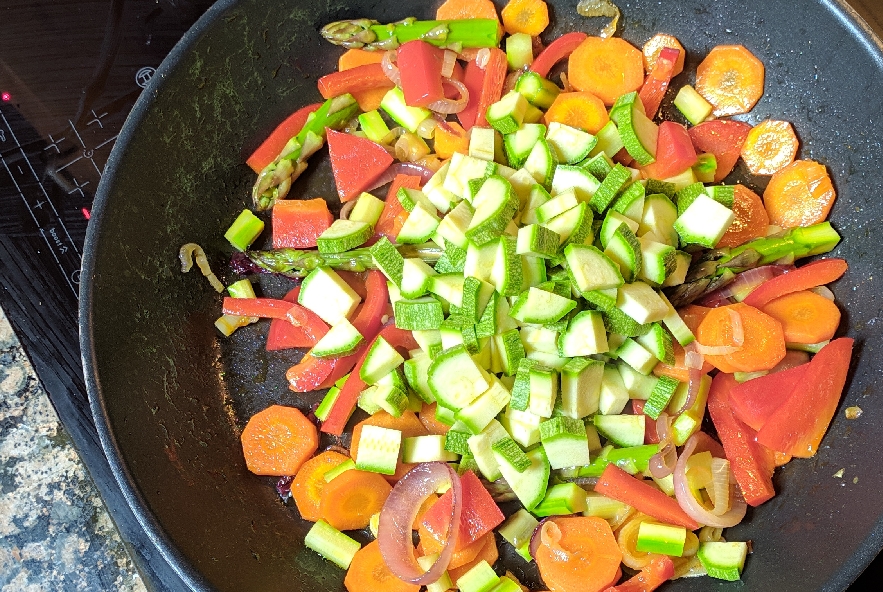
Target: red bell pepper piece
<point>473,79</point>
<point>276,141</point>
<point>674,152</point>
<point>658,80</point>
<point>817,273</point>
<point>356,162</point>
<point>394,215</point>
<point>556,51</point>
<point>268,308</point>
<point>797,427</point>
<point>297,223</point>
<point>309,373</point>
<point>420,66</point>
<point>451,91</point>
<point>754,401</point>
<point>479,515</point>
<point>619,485</point>
<point>724,139</point>
<point>284,335</point>
<point>367,321</point>
<point>660,569</point>
<point>349,394</point>
<point>492,86</point>
<point>651,436</point>
<point>752,464</point>
<point>354,80</point>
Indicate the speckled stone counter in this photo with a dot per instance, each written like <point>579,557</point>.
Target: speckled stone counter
<point>55,533</point>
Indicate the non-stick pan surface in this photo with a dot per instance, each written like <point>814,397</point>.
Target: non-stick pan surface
<point>170,396</point>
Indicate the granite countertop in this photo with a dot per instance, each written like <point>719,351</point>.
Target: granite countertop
<point>55,532</point>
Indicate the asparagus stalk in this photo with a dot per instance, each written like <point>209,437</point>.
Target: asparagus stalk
<point>718,267</point>
<point>373,36</point>
<point>298,263</point>
<point>275,180</point>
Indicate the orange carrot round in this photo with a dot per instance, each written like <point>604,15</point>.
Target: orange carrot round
<point>731,79</point>
<point>769,147</point>
<point>750,219</point>
<point>763,344</point>
<point>801,194</point>
<point>449,138</point>
<point>806,317</point>
<point>466,9</point>
<point>679,370</point>
<point>525,16</point>
<point>582,110</point>
<point>309,483</point>
<point>350,499</point>
<point>656,44</point>
<point>368,573</point>
<point>607,68</point>
<point>488,552</point>
<point>407,423</point>
<point>586,557</point>
<point>429,545</point>
<point>278,440</point>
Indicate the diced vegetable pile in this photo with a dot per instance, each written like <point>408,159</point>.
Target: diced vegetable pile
<point>554,292</point>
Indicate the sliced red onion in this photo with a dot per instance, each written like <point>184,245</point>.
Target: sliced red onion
<point>402,168</point>
<point>443,123</point>
<point>662,464</point>
<point>389,67</point>
<point>511,79</point>
<point>738,328</point>
<point>824,292</point>
<point>448,63</point>
<point>397,518</point>
<point>483,57</point>
<point>714,300</point>
<point>346,209</point>
<point>692,506</point>
<point>448,106</point>
<point>745,282</point>
<point>426,128</point>
<point>694,372</point>
<point>720,486</point>
<point>716,350</point>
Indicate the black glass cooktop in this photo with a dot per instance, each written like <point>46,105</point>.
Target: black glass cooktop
<point>70,71</point>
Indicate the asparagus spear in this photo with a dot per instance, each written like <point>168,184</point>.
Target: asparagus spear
<point>275,180</point>
<point>716,268</point>
<point>298,263</point>
<point>373,36</point>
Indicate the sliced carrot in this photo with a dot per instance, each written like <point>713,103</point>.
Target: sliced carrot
<point>769,147</point>
<point>730,78</point>
<point>806,317</point>
<point>364,77</point>
<point>466,9</point>
<point>394,215</point>
<point>353,58</point>
<point>432,425</point>
<point>801,194</point>
<point>679,370</point>
<point>429,545</point>
<point>655,45</point>
<point>578,109</point>
<point>368,573</point>
<point>350,499</point>
<point>278,440</point>
<point>750,219</point>
<point>487,553</point>
<point>693,314</point>
<point>525,16</point>
<point>585,558</point>
<point>297,223</point>
<point>763,343</point>
<point>407,423</point>
<point>606,68</point>
<point>309,483</point>
<point>450,137</point>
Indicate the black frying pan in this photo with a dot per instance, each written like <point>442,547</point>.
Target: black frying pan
<point>170,397</point>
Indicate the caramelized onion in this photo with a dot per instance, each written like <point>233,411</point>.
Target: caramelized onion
<point>390,68</point>
<point>694,372</point>
<point>402,168</point>
<point>448,63</point>
<point>662,464</point>
<point>447,106</point>
<point>738,327</point>
<point>694,507</point>
<point>397,518</point>
<point>185,255</point>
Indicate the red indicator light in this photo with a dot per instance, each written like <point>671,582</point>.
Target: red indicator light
<point>86,213</point>
<point>6,97</point>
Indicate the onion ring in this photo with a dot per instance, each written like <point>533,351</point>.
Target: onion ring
<point>390,68</point>
<point>402,168</point>
<point>662,464</point>
<point>346,209</point>
<point>691,505</point>
<point>694,372</point>
<point>185,255</point>
<point>448,106</point>
<point>397,519</point>
<point>738,328</point>
<point>448,63</point>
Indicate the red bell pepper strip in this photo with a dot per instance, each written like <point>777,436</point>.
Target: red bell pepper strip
<point>309,373</point>
<point>276,141</point>
<point>367,321</point>
<point>492,86</point>
<point>797,427</point>
<point>297,223</point>
<point>473,79</point>
<point>356,162</point>
<point>724,139</point>
<point>817,273</point>
<point>284,335</point>
<point>394,215</point>
<point>556,51</point>
<point>265,308</point>
<point>619,485</point>
<point>754,401</point>
<point>420,66</point>
<point>674,152</point>
<point>349,394</point>
<point>479,516</point>
<point>651,436</point>
<point>354,80</point>
<point>660,569</point>
<point>752,464</point>
<point>658,80</point>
